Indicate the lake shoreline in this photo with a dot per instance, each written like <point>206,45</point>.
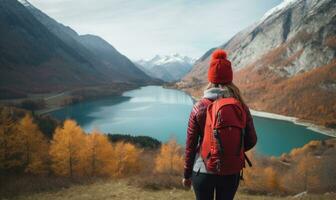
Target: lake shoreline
<point>295,120</point>
<point>88,94</point>
<point>309,125</point>
<point>146,104</point>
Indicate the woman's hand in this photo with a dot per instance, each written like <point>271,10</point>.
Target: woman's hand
<point>186,183</point>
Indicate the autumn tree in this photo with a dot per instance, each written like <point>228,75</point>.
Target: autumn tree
<point>33,147</point>
<point>307,172</point>
<point>99,154</point>
<point>327,168</point>
<point>170,158</point>
<point>271,178</point>
<point>126,159</point>
<point>9,141</point>
<point>263,176</point>
<point>68,150</point>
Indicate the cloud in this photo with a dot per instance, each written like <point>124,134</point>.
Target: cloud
<point>144,28</point>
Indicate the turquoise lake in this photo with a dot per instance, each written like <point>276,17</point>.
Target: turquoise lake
<point>163,113</point>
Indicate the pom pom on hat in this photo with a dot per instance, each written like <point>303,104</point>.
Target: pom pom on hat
<point>220,70</point>
<point>219,54</point>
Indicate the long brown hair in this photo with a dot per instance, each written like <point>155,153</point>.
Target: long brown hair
<point>232,87</point>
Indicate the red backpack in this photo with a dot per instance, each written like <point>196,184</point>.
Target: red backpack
<point>222,148</point>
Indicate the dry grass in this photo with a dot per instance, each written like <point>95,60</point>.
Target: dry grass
<point>120,189</point>
<point>20,185</point>
<point>156,181</point>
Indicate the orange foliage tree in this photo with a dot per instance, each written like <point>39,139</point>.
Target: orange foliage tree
<point>307,172</point>
<point>99,154</point>
<point>271,179</point>
<point>67,150</point>
<point>9,140</point>
<point>263,176</point>
<point>170,158</point>
<point>33,146</point>
<point>126,159</point>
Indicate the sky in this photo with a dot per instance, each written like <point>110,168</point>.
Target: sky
<point>141,29</point>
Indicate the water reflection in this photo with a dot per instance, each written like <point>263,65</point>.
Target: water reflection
<point>152,94</point>
<point>81,111</point>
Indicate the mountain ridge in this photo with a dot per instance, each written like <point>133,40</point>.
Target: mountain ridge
<point>277,51</point>
<point>122,67</point>
<point>35,46</point>
<point>41,55</point>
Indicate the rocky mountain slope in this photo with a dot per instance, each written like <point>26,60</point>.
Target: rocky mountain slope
<point>40,55</point>
<point>122,67</point>
<point>285,63</point>
<point>168,68</point>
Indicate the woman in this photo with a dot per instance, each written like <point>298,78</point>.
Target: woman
<point>207,183</point>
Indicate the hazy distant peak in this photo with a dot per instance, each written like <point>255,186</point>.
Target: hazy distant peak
<point>165,59</point>
<point>167,67</point>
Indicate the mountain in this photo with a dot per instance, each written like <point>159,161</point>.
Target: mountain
<point>169,68</point>
<point>94,48</point>
<point>39,54</point>
<point>32,58</point>
<point>111,58</point>
<point>285,63</point>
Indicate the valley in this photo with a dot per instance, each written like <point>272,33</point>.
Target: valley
<point>79,119</point>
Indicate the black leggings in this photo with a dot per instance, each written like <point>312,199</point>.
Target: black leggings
<point>205,185</point>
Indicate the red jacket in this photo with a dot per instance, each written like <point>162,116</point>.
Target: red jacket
<point>196,128</point>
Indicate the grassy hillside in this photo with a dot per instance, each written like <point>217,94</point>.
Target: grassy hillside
<point>121,189</point>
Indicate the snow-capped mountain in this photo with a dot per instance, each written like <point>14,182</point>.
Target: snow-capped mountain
<point>277,9</point>
<point>168,68</point>
<point>284,63</point>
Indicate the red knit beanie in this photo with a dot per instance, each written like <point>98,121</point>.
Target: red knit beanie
<point>220,71</point>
